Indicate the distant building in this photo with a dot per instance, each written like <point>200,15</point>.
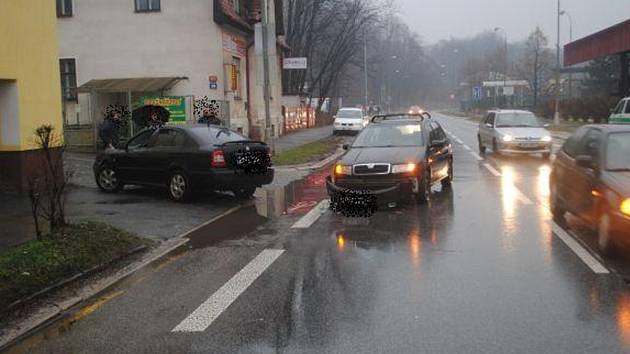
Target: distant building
<point>29,85</point>
<point>121,51</point>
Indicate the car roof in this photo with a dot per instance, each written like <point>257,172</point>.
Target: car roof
<point>515,111</point>
<point>610,128</point>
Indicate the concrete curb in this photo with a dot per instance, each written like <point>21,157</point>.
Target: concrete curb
<point>313,165</point>
<point>51,312</point>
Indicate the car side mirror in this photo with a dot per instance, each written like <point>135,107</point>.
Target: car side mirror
<point>488,125</point>
<point>345,146</point>
<point>585,161</point>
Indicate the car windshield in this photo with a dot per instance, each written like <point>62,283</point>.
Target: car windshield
<point>618,152</point>
<point>390,135</point>
<point>524,120</point>
<point>350,114</point>
<point>215,136</point>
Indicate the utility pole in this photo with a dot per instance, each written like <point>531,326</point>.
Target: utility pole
<point>570,40</point>
<point>365,72</point>
<point>556,116</point>
<point>506,62</point>
<point>269,135</point>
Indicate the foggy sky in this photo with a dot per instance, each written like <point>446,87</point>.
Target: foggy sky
<point>434,20</point>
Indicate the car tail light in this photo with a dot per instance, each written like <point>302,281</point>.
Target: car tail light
<point>218,158</point>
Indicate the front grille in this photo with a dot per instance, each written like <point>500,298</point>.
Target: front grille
<point>529,138</point>
<point>371,169</point>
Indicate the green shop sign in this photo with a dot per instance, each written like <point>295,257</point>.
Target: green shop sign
<point>176,105</point>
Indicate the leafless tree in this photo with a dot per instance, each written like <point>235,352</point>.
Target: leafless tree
<point>536,62</point>
<point>47,187</point>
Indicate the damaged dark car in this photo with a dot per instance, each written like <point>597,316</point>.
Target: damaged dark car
<point>186,159</point>
<point>396,159</point>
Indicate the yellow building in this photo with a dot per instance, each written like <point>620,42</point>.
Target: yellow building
<point>29,84</point>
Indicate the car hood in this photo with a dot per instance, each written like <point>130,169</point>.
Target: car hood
<point>383,155</point>
<point>618,181</point>
<point>349,120</point>
<point>519,132</point>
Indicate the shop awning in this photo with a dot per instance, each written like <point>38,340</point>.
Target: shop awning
<point>141,84</point>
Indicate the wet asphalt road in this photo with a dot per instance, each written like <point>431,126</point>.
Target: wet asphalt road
<point>478,270</point>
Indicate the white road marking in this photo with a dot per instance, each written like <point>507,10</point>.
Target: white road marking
<point>212,308</point>
<point>307,220</point>
<point>459,141</point>
<point>579,251</point>
<point>522,197</point>
<point>492,170</point>
<point>476,155</point>
<point>467,147</point>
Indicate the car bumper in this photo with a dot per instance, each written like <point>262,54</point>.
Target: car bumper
<point>228,179</point>
<point>341,128</point>
<point>383,197</point>
<point>525,148</point>
<point>620,226</point>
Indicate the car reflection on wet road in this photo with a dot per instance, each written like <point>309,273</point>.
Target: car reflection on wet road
<point>481,268</point>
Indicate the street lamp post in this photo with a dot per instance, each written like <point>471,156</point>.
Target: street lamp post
<point>506,59</point>
<point>563,12</point>
<point>556,116</point>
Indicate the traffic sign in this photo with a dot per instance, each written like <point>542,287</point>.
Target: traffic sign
<point>476,93</point>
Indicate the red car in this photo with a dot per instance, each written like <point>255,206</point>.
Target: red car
<point>591,179</point>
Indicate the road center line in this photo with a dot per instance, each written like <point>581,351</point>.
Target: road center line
<point>476,155</point>
<point>580,251</point>
<point>492,169</point>
<point>210,310</point>
<point>307,220</point>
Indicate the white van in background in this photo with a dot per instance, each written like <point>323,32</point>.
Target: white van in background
<point>621,113</point>
<point>349,120</point>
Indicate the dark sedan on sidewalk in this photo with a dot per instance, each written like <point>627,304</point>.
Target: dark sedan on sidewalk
<point>185,159</point>
<point>591,179</point>
<point>396,158</point>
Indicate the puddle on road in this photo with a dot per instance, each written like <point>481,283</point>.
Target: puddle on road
<point>295,198</point>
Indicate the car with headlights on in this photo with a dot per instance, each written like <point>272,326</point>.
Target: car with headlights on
<point>349,120</point>
<point>396,158</point>
<point>415,110</point>
<point>590,178</point>
<point>514,131</point>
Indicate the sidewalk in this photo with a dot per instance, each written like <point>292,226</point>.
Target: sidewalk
<point>302,137</point>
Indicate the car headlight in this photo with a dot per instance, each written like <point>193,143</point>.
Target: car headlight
<point>404,168</point>
<point>546,138</point>
<point>343,170</point>
<point>625,207</point>
<point>508,138</point>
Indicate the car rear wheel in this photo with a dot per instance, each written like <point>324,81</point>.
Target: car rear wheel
<point>244,192</point>
<point>107,180</point>
<point>448,181</point>
<point>424,192</point>
<point>604,239</point>
<point>557,210</point>
<point>482,149</point>
<point>179,186</point>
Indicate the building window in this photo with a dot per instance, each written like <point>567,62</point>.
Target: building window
<point>237,6</point>
<point>235,77</point>
<point>68,70</point>
<point>147,5</point>
<point>64,8</point>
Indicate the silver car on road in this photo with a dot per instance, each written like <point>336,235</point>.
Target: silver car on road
<point>514,131</point>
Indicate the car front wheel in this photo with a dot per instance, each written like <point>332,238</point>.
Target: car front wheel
<point>107,180</point>
<point>424,192</point>
<point>557,211</point>
<point>179,186</point>
<point>448,181</point>
<point>604,239</point>
<point>482,149</point>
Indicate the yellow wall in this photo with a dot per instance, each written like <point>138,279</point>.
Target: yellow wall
<point>29,55</point>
